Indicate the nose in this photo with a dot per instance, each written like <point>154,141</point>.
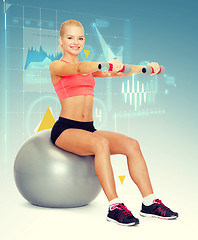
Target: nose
<point>76,41</point>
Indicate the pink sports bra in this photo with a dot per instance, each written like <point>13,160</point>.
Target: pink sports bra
<point>74,85</point>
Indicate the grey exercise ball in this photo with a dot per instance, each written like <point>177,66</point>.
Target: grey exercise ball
<point>48,176</point>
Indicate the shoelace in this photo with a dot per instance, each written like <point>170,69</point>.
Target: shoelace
<point>160,202</point>
<point>124,209</point>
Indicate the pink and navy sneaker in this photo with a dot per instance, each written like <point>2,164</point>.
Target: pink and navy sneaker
<point>158,210</point>
<point>119,214</point>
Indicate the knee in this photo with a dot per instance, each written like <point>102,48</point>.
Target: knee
<point>134,145</point>
<point>102,144</point>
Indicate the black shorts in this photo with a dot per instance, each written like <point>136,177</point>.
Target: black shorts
<point>64,123</point>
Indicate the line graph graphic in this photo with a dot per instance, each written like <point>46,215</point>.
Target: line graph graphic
<point>39,58</point>
<point>36,76</point>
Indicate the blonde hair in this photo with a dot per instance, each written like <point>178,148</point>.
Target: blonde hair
<point>68,23</point>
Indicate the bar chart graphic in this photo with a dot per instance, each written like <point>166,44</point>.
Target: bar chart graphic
<point>136,93</point>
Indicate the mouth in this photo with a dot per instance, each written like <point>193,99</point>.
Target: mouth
<point>74,47</point>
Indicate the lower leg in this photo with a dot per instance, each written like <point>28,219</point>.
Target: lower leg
<point>117,212</point>
<point>139,172</point>
<point>105,174</point>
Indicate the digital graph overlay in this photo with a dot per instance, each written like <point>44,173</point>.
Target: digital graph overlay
<point>136,93</point>
<point>31,44</point>
<point>32,37</point>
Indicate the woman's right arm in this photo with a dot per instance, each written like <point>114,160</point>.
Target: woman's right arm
<point>60,68</point>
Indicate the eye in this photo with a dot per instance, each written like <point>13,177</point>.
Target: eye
<point>69,37</point>
<point>81,38</point>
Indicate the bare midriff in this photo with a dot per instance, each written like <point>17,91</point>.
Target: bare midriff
<point>78,108</point>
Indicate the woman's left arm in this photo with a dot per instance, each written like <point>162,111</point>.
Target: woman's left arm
<point>117,65</point>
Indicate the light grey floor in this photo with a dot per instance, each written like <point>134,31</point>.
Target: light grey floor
<point>22,221</point>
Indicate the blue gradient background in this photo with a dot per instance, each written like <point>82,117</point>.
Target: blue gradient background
<point>166,32</point>
<point>163,31</point>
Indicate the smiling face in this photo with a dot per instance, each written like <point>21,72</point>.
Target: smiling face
<point>72,40</point>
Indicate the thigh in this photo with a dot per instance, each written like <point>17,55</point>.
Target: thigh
<point>78,141</point>
<point>118,143</point>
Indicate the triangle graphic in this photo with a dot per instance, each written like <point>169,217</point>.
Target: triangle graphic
<point>87,52</point>
<point>8,6</point>
<point>47,121</point>
<point>108,53</point>
<point>122,178</point>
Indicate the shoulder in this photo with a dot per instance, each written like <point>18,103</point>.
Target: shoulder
<point>52,65</point>
<point>55,66</point>
<point>55,63</point>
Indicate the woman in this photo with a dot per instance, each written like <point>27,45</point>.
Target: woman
<point>74,131</point>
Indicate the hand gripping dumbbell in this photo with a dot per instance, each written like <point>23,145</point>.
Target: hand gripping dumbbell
<point>148,70</point>
<point>106,67</point>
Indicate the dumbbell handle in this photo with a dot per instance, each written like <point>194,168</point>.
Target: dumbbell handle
<point>106,67</point>
<point>148,70</point>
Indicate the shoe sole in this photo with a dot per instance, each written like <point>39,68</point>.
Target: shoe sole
<point>122,224</point>
<point>155,216</point>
